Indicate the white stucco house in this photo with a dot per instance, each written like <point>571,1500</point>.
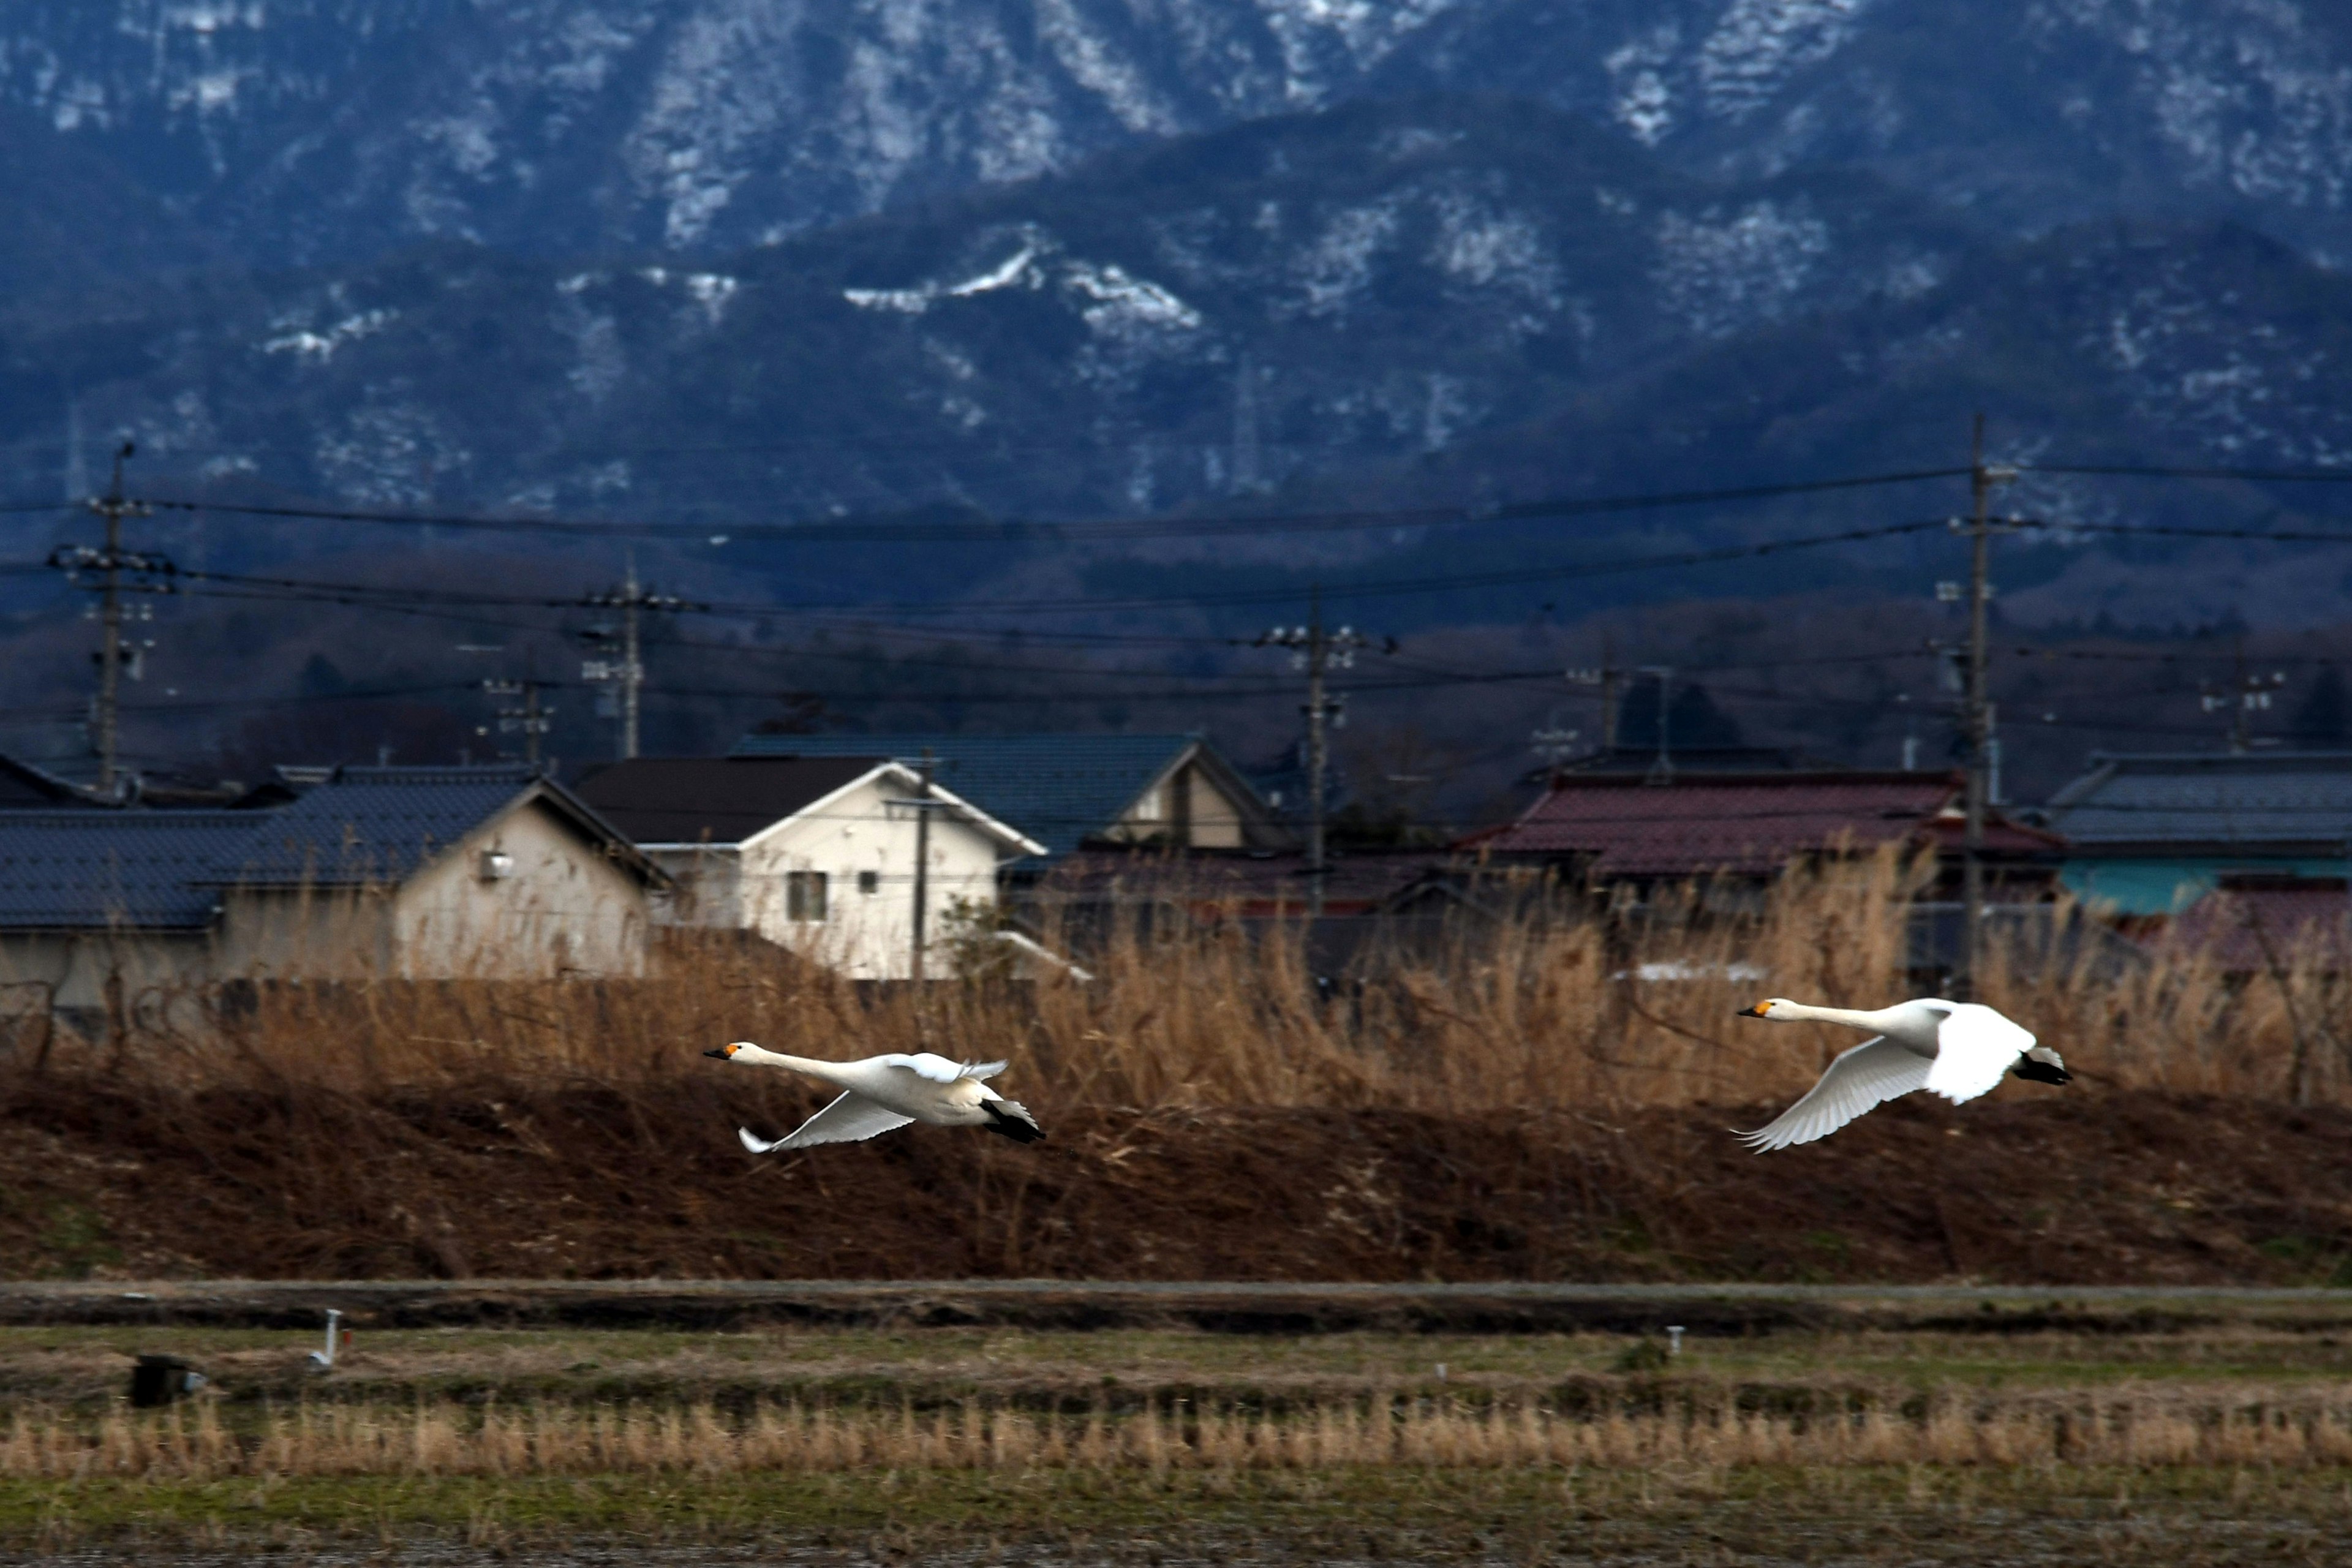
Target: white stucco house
<point>816,854</point>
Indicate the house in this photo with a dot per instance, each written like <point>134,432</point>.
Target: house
<point>1069,790</point>
<point>393,872</point>
<point>1625,827</point>
<point>2151,834</point>
<point>816,854</point>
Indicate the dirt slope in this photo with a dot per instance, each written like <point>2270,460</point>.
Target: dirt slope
<point>2033,1185</point>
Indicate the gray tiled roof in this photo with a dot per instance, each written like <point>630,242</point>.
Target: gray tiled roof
<point>81,869</point>
<point>2276,797</point>
<point>370,825</point>
<point>715,800</point>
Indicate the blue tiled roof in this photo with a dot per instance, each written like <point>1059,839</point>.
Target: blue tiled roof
<point>370,825</point>
<point>2277,797</point>
<point>73,870</point>
<point>1057,789</point>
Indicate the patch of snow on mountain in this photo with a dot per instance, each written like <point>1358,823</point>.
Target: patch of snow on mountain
<point>1639,97</point>
<point>1756,45</point>
<point>1016,270</point>
<point>1112,76</point>
<point>1720,274</point>
<point>389,452</point>
<point>321,346</point>
<point>1365,32</point>
<point>2194,365</point>
<point>1337,266</point>
<point>1124,303</point>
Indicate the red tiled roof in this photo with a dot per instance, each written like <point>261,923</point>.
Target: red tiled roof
<point>1743,823</point>
<point>2291,918</point>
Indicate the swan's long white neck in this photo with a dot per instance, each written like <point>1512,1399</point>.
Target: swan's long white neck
<point>1876,1022</point>
<point>756,1055</point>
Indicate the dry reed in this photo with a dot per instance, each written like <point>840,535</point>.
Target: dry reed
<point>1543,1010</point>
<point>2143,1427</point>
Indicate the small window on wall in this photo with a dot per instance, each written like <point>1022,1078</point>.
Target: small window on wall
<point>869,881</point>
<point>805,895</point>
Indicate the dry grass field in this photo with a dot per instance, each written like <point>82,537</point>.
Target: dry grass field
<point>1519,1102</point>
<point>1537,1100</point>
<point>2227,1442</point>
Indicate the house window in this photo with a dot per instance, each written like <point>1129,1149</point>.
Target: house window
<point>869,881</point>
<point>805,895</point>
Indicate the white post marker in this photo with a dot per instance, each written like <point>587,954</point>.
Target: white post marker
<point>324,1361</point>
<point>1673,1339</point>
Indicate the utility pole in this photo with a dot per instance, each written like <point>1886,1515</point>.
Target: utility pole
<point>1318,652</point>
<point>922,864</point>
<point>531,720</point>
<point>113,508</point>
<point>1977,711</point>
<point>628,672</point>
<point>1662,772</point>
<point>2241,698</point>
<point>1606,677</point>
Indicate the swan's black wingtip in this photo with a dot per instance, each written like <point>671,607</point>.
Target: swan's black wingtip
<point>1014,1123</point>
<point>2043,1072</point>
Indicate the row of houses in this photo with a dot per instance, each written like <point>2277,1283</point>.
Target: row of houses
<point>882,855</point>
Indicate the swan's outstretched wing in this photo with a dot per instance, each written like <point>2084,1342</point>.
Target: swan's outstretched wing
<point>983,1070</point>
<point>1974,1046</point>
<point>1868,1076</point>
<point>924,1064</point>
<point>850,1118</point>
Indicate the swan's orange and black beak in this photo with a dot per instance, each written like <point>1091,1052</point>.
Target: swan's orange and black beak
<point>724,1052</point>
<point>1757,1011</point>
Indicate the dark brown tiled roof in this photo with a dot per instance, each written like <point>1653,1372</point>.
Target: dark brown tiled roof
<point>1751,823</point>
<point>713,800</point>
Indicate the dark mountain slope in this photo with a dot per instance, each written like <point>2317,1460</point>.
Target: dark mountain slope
<point>1182,323</point>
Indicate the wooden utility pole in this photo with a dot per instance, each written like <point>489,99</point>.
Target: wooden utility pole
<point>531,720</point>
<point>922,862</point>
<point>1976,707</point>
<point>113,508</point>
<point>628,672</point>
<point>1318,652</point>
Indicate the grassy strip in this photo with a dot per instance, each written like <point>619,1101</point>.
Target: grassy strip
<point>1431,1514</point>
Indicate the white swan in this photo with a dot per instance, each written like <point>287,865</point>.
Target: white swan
<point>1956,1049</point>
<point>881,1094</point>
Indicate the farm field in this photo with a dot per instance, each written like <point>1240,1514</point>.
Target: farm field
<point>2222,1434</point>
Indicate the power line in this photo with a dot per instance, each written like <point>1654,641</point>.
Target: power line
<point>990,530</point>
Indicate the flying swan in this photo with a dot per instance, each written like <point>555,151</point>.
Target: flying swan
<point>881,1094</point>
<point>1956,1049</point>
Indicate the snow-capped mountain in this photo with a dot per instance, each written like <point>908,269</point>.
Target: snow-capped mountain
<point>1198,319</point>
<point>329,130</point>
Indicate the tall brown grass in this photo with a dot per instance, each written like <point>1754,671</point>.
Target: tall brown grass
<point>2126,1426</point>
<point>1562,1008</point>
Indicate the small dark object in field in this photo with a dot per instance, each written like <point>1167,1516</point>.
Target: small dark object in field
<point>1647,1356</point>
<point>160,1379</point>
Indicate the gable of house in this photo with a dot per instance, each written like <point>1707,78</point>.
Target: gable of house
<point>1064,790</point>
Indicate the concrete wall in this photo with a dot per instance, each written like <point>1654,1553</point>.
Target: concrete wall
<point>71,970</point>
